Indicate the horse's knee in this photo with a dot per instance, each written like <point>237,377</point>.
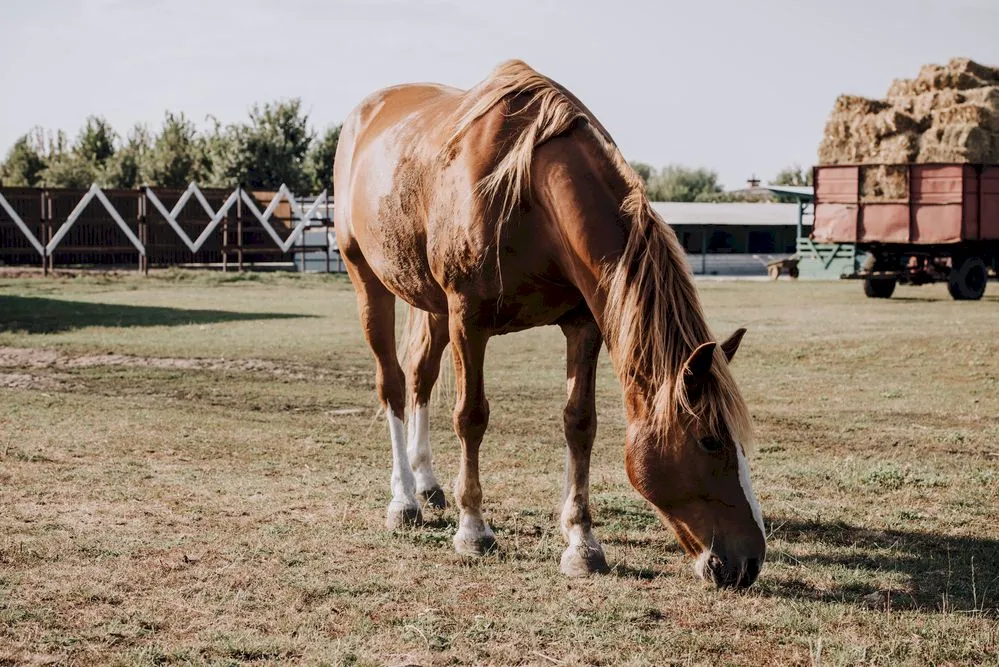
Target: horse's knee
<point>580,423</point>
<point>471,420</point>
<point>391,388</point>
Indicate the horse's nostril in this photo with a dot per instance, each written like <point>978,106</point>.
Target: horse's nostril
<point>750,572</point>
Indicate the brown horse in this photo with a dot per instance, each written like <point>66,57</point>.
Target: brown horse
<point>507,207</point>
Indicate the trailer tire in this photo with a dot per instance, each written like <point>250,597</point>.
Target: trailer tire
<point>773,272</point>
<point>793,272</point>
<point>968,278</point>
<point>879,288</point>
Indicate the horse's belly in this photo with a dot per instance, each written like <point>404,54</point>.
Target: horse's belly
<point>400,263</point>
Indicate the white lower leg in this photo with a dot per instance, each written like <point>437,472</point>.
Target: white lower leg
<point>404,507</point>
<point>420,456</point>
<point>474,535</point>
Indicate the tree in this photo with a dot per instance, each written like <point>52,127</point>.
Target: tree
<point>271,149</point>
<point>643,170</point>
<point>176,155</point>
<point>95,143</point>
<point>25,162</point>
<point>124,168</point>
<point>66,167</point>
<point>793,175</point>
<point>678,183</point>
<point>319,161</point>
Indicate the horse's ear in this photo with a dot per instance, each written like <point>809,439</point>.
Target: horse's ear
<point>698,364</point>
<point>732,344</point>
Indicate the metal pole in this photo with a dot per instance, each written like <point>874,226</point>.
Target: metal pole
<point>801,213</point>
<point>326,228</point>
<point>704,251</point>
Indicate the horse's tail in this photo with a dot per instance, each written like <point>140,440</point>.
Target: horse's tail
<point>416,337</point>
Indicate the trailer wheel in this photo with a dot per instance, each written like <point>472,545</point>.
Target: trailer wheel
<point>793,272</point>
<point>879,288</point>
<point>967,279</point>
<point>773,272</point>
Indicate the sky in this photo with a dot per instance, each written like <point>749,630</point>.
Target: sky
<point>737,86</point>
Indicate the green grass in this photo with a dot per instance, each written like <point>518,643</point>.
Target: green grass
<point>193,471</point>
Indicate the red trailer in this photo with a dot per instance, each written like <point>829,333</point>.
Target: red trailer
<point>935,222</point>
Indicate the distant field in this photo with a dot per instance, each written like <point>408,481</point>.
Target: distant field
<point>192,471</point>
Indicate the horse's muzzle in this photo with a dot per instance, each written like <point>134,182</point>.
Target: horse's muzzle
<point>728,572</point>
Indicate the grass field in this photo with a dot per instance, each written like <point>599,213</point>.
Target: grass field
<point>193,471</point>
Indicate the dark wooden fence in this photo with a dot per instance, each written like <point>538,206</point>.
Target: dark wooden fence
<point>110,228</point>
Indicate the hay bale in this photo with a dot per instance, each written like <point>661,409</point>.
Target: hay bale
<point>967,114</point>
<point>948,113</point>
<point>958,143</point>
<point>939,77</point>
<point>884,183</point>
<point>900,149</point>
<point>977,70</point>
<point>855,105</point>
<point>901,88</point>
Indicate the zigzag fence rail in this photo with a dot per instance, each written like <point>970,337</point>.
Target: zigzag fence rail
<point>165,227</point>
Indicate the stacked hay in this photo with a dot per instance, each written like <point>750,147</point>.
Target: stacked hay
<point>948,113</point>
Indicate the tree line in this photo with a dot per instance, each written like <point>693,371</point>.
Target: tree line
<point>684,184</point>
<point>275,145</point>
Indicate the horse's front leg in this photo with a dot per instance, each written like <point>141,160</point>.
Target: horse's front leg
<point>584,554</point>
<point>471,416</point>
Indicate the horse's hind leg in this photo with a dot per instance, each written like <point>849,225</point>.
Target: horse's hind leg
<point>584,554</point>
<point>428,337</point>
<point>376,307</point>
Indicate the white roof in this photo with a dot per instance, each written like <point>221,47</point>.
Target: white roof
<point>697,213</point>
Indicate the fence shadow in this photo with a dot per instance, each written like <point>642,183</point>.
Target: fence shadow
<point>46,315</point>
<point>942,572</point>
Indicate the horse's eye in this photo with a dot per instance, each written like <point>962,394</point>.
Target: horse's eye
<point>712,445</point>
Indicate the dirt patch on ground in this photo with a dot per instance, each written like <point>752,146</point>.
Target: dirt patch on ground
<point>28,381</point>
<point>37,272</point>
<point>17,357</point>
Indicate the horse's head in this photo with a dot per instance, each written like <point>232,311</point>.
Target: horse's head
<point>695,473</point>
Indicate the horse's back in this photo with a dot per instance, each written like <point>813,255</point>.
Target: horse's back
<point>408,213</point>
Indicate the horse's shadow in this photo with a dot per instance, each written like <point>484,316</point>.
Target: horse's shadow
<point>931,572</point>
<point>939,572</point>
<point>833,561</point>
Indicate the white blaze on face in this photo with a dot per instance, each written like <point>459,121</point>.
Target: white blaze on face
<point>747,488</point>
<point>701,565</point>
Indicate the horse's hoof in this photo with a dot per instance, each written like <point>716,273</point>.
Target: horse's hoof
<point>475,544</point>
<point>399,516</point>
<point>582,561</point>
<point>433,497</point>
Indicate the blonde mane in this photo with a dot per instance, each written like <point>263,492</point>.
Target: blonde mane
<point>653,318</point>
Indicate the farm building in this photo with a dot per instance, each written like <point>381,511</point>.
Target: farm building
<point>720,238</point>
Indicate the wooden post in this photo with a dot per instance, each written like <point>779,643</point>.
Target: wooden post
<point>225,244</point>
<point>41,229</point>
<point>50,259</point>
<point>302,242</point>
<point>239,227</point>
